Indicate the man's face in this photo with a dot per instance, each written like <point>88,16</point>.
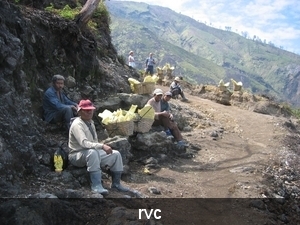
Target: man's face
<point>86,114</point>
<point>59,85</point>
<point>157,98</point>
<point>167,97</point>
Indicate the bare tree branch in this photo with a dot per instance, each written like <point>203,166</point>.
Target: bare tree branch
<point>86,12</point>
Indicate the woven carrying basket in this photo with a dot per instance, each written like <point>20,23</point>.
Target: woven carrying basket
<point>120,128</point>
<point>138,88</point>
<point>222,88</point>
<point>144,88</point>
<point>143,125</point>
<point>149,87</point>
<point>237,87</point>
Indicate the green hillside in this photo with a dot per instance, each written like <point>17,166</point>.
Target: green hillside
<point>200,53</point>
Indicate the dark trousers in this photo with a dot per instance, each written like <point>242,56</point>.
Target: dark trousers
<point>149,69</point>
<point>176,92</point>
<point>169,124</point>
<point>64,115</point>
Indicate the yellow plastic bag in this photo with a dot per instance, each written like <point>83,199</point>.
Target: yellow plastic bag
<point>106,116</point>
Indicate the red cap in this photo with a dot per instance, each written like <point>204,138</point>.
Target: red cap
<point>85,104</point>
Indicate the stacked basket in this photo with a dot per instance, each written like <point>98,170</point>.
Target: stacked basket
<point>143,125</point>
<point>144,88</point>
<point>125,128</point>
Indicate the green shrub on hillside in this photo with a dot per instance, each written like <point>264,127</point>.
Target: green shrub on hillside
<point>100,14</point>
<point>67,12</point>
<point>296,113</point>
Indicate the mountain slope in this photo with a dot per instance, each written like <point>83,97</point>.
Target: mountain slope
<point>200,53</point>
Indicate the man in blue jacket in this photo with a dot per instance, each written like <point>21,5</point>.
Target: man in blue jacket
<point>150,64</point>
<point>57,106</point>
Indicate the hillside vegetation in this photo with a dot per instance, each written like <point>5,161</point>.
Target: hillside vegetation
<point>203,54</point>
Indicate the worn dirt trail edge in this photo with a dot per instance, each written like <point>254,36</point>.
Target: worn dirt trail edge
<point>230,166</point>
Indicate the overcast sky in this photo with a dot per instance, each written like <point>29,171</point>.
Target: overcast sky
<point>276,21</point>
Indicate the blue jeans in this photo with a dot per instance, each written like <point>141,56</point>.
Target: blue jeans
<point>64,115</point>
<point>150,70</point>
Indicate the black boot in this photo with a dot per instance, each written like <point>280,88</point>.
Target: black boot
<point>116,178</point>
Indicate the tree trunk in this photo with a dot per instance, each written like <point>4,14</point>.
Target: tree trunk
<point>86,12</point>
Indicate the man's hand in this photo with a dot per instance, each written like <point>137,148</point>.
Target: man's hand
<point>107,149</point>
<point>74,109</point>
<point>165,113</point>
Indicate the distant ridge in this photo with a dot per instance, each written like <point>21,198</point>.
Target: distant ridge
<point>203,54</point>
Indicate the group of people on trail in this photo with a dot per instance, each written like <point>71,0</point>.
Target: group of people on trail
<point>84,148</point>
<point>175,87</point>
<point>150,62</point>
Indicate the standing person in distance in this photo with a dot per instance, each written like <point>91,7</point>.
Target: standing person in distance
<point>150,61</point>
<point>131,61</point>
<point>56,105</point>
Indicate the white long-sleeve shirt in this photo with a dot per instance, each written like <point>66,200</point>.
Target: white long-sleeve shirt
<point>81,138</point>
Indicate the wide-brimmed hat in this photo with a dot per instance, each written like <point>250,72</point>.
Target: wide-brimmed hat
<point>168,93</point>
<point>85,105</point>
<point>177,79</point>
<point>158,92</point>
<point>130,52</point>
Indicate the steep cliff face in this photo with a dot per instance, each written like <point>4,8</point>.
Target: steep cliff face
<point>35,45</point>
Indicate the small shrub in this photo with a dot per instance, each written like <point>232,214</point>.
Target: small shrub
<point>102,13</point>
<point>296,113</point>
<point>67,12</point>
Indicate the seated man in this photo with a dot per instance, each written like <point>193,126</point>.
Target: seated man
<point>85,150</point>
<point>164,118</point>
<point>57,107</point>
<point>176,90</point>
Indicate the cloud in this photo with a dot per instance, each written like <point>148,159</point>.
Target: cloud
<point>277,21</point>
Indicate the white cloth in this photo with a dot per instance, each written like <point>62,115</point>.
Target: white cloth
<point>85,150</point>
<point>131,61</point>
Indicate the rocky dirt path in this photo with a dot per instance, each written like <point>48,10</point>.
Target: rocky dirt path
<point>236,146</point>
<point>229,165</point>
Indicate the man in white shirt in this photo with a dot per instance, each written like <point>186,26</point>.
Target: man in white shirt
<point>176,89</point>
<point>131,61</point>
<point>163,118</point>
<point>85,150</point>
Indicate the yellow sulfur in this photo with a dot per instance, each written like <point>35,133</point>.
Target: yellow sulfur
<point>58,163</point>
<point>147,112</point>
